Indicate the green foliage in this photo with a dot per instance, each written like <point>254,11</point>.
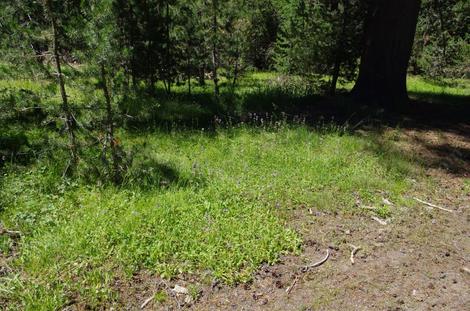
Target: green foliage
<point>442,43</point>
<point>320,38</point>
<point>262,31</point>
<point>225,212</point>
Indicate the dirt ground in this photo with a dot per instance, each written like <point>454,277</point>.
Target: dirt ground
<point>419,260</point>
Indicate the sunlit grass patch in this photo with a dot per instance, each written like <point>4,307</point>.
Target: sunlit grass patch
<point>456,87</point>
<point>226,213</point>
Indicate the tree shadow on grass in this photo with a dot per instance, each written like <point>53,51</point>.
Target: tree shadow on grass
<point>148,173</point>
<point>426,112</point>
<point>14,148</point>
<point>436,133</point>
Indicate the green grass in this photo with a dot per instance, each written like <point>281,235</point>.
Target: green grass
<point>456,87</point>
<point>214,204</point>
<point>447,92</point>
<point>225,213</point>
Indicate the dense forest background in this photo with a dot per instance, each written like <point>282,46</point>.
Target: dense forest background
<point>173,41</point>
<point>126,58</point>
<point>157,62</point>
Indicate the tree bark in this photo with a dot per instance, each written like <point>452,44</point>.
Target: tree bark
<point>117,178</point>
<point>69,120</point>
<point>215,61</point>
<point>339,49</point>
<point>390,31</point>
<point>202,75</point>
<point>188,70</point>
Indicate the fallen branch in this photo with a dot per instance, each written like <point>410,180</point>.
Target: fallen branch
<point>10,233</point>
<point>146,302</point>
<point>305,269</point>
<point>433,206</point>
<point>317,264</point>
<point>289,289</point>
<point>353,252</point>
<point>380,221</point>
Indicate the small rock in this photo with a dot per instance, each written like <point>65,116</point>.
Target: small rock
<point>180,290</point>
<point>263,301</point>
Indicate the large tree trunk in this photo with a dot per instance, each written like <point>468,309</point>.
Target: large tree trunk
<point>390,31</point>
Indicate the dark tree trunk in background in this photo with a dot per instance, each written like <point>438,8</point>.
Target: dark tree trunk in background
<point>117,178</point>
<point>202,75</point>
<point>67,113</point>
<point>215,59</point>
<point>339,49</point>
<point>390,31</point>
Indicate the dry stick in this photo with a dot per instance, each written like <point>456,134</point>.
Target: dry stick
<point>380,221</point>
<point>146,302</point>
<point>317,264</point>
<point>434,206</point>
<point>353,252</point>
<point>289,289</point>
<point>306,269</point>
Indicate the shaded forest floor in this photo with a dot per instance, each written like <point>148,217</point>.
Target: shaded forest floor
<point>231,208</point>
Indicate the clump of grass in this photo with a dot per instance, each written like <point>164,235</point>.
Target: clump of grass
<point>383,211</point>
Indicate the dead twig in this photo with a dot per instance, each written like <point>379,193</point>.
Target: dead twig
<point>433,205</point>
<point>289,289</point>
<point>317,264</point>
<point>147,301</point>
<point>354,251</point>
<point>305,269</point>
<point>380,221</point>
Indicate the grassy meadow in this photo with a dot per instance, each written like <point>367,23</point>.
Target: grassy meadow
<point>209,201</point>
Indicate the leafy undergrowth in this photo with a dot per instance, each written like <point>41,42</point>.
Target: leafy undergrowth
<point>213,204</point>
